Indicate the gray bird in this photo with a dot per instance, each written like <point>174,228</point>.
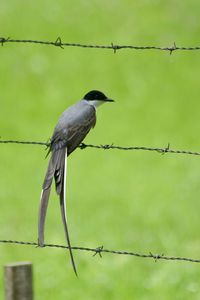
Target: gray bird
<point>72,127</point>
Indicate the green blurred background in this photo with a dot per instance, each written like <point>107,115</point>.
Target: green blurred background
<point>137,201</point>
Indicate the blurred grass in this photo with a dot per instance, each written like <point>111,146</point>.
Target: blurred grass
<point>123,200</point>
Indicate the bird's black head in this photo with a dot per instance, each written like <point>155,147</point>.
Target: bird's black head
<point>97,95</point>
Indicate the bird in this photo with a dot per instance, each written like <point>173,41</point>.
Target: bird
<point>72,127</point>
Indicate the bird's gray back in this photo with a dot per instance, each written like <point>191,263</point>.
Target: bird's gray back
<point>73,125</point>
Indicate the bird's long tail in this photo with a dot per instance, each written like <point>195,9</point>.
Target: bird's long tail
<point>62,193</point>
<point>44,199</point>
<point>57,168</point>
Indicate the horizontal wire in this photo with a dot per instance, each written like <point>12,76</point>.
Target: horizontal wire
<point>58,43</point>
<point>107,147</point>
<point>100,250</point>
<point>24,142</point>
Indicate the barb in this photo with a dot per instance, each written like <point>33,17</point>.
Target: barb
<point>83,146</point>
<point>58,43</point>
<point>101,250</point>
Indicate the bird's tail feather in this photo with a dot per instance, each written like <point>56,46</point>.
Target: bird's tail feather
<point>57,168</point>
<point>42,215</point>
<point>44,199</point>
<point>62,193</point>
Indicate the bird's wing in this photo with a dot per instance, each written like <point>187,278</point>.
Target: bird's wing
<point>74,133</point>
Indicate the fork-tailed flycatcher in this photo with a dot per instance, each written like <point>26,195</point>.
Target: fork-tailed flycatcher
<point>72,127</point>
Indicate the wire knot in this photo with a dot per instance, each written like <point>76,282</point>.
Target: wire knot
<point>115,47</point>
<point>98,250</point>
<point>173,48</point>
<point>165,150</point>
<point>3,40</point>
<point>105,147</point>
<point>156,256</point>
<point>58,43</point>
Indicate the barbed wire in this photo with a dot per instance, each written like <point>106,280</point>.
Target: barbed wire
<point>83,146</point>
<point>58,43</point>
<point>100,250</point>
<point>24,142</point>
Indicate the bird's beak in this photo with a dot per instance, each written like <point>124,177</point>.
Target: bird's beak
<point>109,100</point>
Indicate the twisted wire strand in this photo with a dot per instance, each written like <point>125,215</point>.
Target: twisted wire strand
<point>111,146</point>
<point>58,43</point>
<point>100,250</point>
